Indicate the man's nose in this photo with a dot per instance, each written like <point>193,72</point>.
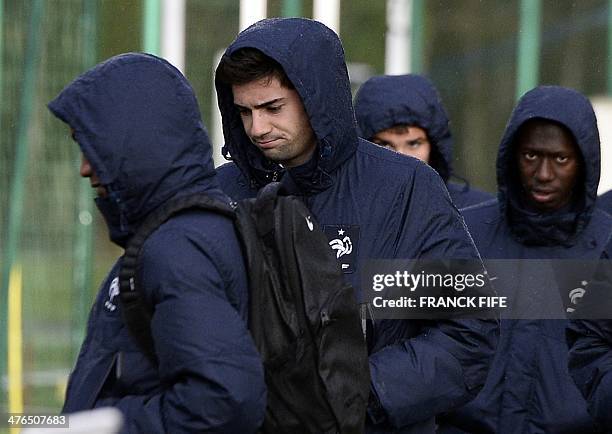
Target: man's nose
<point>85,169</point>
<point>260,125</point>
<point>545,172</point>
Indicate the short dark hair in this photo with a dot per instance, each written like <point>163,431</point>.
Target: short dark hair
<point>249,64</point>
<point>400,128</point>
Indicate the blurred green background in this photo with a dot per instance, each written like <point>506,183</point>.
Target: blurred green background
<point>49,225</point>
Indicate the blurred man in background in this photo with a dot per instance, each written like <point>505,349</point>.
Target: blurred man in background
<point>404,113</point>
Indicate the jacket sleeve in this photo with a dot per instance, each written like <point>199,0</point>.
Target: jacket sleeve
<point>590,364</point>
<point>441,364</point>
<point>210,370</point>
<point>590,345</point>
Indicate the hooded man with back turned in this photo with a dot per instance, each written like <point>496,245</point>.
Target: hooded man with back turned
<point>137,123</point>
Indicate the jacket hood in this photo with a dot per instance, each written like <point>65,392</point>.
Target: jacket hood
<point>313,59</point>
<point>573,110</point>
<point>137,121</point>
<point>388,100</point>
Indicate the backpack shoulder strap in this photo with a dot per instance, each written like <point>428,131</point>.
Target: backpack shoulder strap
<point>135,311</point>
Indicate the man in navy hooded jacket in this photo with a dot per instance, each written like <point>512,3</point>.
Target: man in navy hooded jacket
<point>137,122</point>
<point>547,174</point>
<point>405,113</point>
<point>285,100</point>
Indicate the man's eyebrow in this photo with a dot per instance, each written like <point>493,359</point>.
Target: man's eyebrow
<point>415,141</point>
<point>262,105</point>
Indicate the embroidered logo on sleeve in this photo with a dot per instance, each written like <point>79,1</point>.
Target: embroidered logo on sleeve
<point>113,291</point>
<point>575,295</point>
<point>344,242</point>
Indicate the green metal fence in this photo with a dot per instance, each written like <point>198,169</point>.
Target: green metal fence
<point>49,230</point>
<point>44,47</point>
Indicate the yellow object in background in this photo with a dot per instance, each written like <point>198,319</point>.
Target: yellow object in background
<point>15,343</point>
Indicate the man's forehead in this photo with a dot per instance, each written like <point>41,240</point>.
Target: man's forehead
<point>545,133</point>
<point>259,92</point>
<point>404,131</point>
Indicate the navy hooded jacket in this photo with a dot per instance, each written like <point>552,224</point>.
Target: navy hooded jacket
<point>388,100</point>
<point>529,389</point>
<point>136,120</point>
<point>389,206</point>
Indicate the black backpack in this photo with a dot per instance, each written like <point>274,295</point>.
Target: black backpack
<point>303,317</point>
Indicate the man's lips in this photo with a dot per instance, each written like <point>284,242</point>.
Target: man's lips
<point>267,144</point>
<point>543,195</point>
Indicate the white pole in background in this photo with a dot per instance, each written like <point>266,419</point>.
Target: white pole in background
<point>602,105</point>
<point>398,37</point>
<point>252,11</point>
<point>328,12</point>
<point>173,33</point>
<point>216,125</point>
